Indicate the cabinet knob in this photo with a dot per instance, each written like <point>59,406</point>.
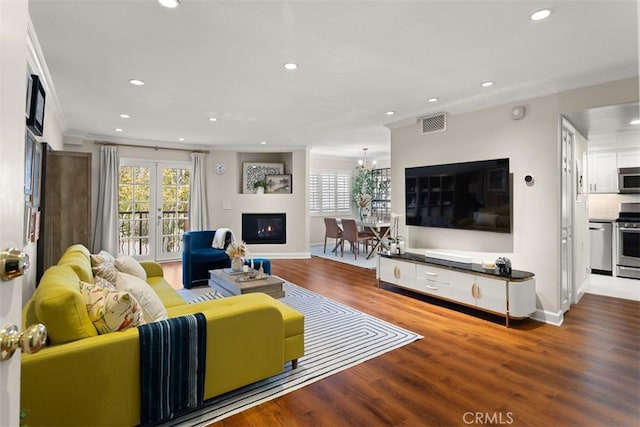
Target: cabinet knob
<point>396,272</point>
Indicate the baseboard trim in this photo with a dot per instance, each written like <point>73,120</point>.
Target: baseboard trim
<point>555,319</point>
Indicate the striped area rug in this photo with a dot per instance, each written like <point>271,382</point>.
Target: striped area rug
<point>337,337</point>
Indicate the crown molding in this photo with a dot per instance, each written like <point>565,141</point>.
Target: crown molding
<point>518,94</point>
<point>38,65</point>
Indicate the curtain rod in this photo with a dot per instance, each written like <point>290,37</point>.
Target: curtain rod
<point>154,148</point>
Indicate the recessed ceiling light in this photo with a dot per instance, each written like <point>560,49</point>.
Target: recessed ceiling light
<point>263,142</point>
<point>540,15</point>
<point>180,139</point>
<point>213,119</point>
<point>290,66</point>
<point>433,99</point>
<point>171,4</point>
<point>125,116</point>
<point>118,130</point>
<point>488,83</point>
<point>390,113</point>
<point>635,122</point>
<point>136,82</point>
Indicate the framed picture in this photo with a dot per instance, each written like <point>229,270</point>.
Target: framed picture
<point>27,225</point>
<point>278,184</point>
<point>29,144</point>
<point>35,174</point>
<point>252,172</point>
<point>35,114</point>
<point>497,180</point>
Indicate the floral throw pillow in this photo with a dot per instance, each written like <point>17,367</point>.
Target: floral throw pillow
<point>111,310</point>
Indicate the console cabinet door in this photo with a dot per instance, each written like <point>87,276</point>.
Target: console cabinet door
<point>397,272</point>
<point>491,294</point>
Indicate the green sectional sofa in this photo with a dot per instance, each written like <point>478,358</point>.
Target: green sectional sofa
<point>83,378</point>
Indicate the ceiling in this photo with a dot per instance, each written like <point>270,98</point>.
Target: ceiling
<point>357,60</point>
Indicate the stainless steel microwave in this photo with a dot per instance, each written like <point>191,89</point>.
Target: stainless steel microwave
<point>629,180</point>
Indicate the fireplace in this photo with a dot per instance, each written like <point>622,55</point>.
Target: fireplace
<point>262,229</point>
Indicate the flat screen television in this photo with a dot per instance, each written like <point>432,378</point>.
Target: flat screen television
<point>471,196</point>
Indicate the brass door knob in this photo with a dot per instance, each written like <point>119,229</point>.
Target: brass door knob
<point>30,341</point>
<point>13,263</point>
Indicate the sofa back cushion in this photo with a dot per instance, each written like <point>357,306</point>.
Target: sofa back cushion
<point>60,307</point>
<point>78,258</point>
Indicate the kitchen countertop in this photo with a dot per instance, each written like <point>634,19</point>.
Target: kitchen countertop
<point>602,220</point>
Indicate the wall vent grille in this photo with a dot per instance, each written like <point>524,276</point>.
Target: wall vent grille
<point>434,123</point>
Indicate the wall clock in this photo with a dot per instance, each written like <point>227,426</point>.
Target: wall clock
<point>220,168</point>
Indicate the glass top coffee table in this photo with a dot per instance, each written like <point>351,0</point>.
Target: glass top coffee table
<point>229,283</point>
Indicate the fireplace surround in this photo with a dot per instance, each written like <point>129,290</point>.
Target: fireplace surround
<point>264,228</point>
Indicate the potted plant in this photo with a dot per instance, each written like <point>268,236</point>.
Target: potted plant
<point>260,186</point>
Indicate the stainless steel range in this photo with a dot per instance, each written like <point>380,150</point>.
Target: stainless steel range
<point>628,226</point>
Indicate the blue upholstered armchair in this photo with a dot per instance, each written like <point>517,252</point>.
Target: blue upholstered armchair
<point>198,257</point>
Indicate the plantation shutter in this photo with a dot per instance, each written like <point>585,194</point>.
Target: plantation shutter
<point>330,192</point>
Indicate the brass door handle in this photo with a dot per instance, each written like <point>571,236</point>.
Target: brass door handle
<point>30,341</point>
<point>396,272</point>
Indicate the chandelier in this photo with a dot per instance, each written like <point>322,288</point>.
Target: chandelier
<point>362,163</point>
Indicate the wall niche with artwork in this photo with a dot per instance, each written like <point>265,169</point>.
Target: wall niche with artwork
<point>274,168</point>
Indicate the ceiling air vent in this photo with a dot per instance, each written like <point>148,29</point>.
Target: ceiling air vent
<point>434,123</point>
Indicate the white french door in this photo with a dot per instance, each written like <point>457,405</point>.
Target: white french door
<point>153,208</point>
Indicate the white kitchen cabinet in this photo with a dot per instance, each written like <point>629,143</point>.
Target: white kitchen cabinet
<point>603,172</point>
<point>470,285</point>
<point>629,159</point>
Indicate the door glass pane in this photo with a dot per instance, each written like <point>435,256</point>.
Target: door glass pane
<point>175,209</point>
<point>133,217</point>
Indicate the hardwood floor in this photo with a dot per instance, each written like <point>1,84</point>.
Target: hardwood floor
<point>468,369</point>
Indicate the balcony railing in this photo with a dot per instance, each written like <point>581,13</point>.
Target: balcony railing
<point>133,237</point>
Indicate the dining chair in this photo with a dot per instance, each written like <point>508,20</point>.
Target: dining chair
<point>333,231</point>
<point>351,234</point>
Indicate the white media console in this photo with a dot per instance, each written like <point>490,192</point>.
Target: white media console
<point>512,296</point>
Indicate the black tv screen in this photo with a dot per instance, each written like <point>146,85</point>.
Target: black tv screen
<point>470,196</point>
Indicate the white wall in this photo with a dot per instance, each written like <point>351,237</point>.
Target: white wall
<point>225,200</point>
<point>532,144</point>
<point>227,203</point>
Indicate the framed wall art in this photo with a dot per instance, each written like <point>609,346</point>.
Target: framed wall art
<point>278,184</point>
<point>29,144</point>
<point>252,172</point>
<point>35,104</point>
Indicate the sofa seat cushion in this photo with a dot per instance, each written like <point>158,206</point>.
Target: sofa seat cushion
<point>60,307</point>
<point>208,254</point>
<point>167,294</point>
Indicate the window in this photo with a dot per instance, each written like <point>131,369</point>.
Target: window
<point>329,192</point>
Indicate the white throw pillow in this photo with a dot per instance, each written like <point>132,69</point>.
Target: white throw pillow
<point>151,303</point>
<point>128,264</point>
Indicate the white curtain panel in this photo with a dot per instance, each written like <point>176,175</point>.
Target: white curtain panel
<point>106,233</point>
<point>198,214</point>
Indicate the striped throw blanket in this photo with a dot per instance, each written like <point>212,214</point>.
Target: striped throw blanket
<point>172,359</point>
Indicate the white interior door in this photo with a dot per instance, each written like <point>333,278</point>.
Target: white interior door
<point>567,197</point>
<point>13,57</point>
<point>153,208</point>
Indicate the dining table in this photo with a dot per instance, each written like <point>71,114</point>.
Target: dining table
<point>380,230</point>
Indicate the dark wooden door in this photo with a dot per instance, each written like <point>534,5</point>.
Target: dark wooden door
<point>65,217</point>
